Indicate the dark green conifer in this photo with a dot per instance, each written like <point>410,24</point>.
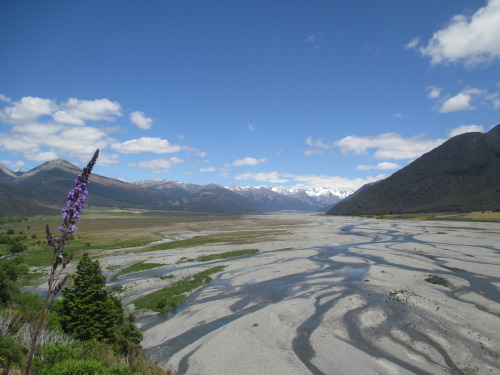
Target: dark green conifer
<point>88,309</point>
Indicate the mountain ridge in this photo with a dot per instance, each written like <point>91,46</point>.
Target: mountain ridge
<point>44,188</point>
<point>462,174</point>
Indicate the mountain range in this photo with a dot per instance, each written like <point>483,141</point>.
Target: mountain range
<point>461,175</point>
<point>43,190</point>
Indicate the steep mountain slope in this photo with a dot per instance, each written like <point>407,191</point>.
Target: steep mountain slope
<point>463,174</point>
<point>14,202</point>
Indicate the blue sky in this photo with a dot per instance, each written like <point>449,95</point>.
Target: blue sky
<point>311,93</point>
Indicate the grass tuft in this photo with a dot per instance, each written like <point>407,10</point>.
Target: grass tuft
<point>439,280</point>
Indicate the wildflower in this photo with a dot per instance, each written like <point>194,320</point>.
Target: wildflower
<point>70,214</point>
<point>72,210</point>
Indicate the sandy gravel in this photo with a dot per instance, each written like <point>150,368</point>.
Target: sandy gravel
<point>334,296</point>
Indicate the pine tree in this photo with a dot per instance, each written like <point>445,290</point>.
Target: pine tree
<point>88,308</point>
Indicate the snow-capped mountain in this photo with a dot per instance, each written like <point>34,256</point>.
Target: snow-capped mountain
<point>263,198</point>
<point>317,197</point>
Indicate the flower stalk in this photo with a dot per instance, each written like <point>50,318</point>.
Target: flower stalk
<point>70,215</point>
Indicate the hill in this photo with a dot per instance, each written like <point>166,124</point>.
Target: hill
<point>463,174</point>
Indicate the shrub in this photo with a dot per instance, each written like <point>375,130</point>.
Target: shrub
<point>17,248</point>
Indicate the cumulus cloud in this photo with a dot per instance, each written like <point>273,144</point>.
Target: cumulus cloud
<point>160,165</point>
<point>382,166</point>
<point>146,144</point>
<point>27,109</point>
<point>466,100</point>
<point>77,111</point>
<point>42,142</point>
<point>470,39</point>
<point>43,129</point>
<point>465,129</point>
<point>106,159</point>
<point>248,161</point>
<point>140,120</point>
<point>459,102</point>
<point>388,145</point>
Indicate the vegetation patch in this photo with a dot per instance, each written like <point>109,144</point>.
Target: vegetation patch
<point>226,255</point>
<point>238,237</point>
<point>136,267</point>
<point>439,280</point>
<point>169,298</point>
<point>402,296</point>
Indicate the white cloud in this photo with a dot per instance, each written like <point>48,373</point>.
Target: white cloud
<point>106,159</point>
<point>473,40</point>
<point>465,100</point>
<point>11,165</point>
<point>248,161</point>
<point>333,182</point>
<point>388,145</point>
<point>140,120</point>
<point>319,143</point>
<point>318,146</point>
<point>309,181</point>
<point>413,43</point>
<point>42,130</point>
<point>160,165</point>
<point>382,166</point>
<point>194,151</point>
<point>251,127</point>
<point>433,92</point>
<point>28,109</point>
<point>314,41</point>
<point>146,144</point>
<point>207,169</point>
<point>77,111</point>
<point>459,102</point>
<point>5,98</point>
<point>43,156</point>
<point>312,152</point>
<point>465,129</point>
<point>272,177</point>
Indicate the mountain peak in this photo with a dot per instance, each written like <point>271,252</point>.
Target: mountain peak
<point>496,129</point>
<point>53,164</point>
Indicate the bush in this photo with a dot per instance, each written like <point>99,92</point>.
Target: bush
<point>81,358</point>
<point>11,354</point>
<point>17,248</point>
<point>83,367</point>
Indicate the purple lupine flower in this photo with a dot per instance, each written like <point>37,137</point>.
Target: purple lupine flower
<point>71,211</point>
<point>70,214</point>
